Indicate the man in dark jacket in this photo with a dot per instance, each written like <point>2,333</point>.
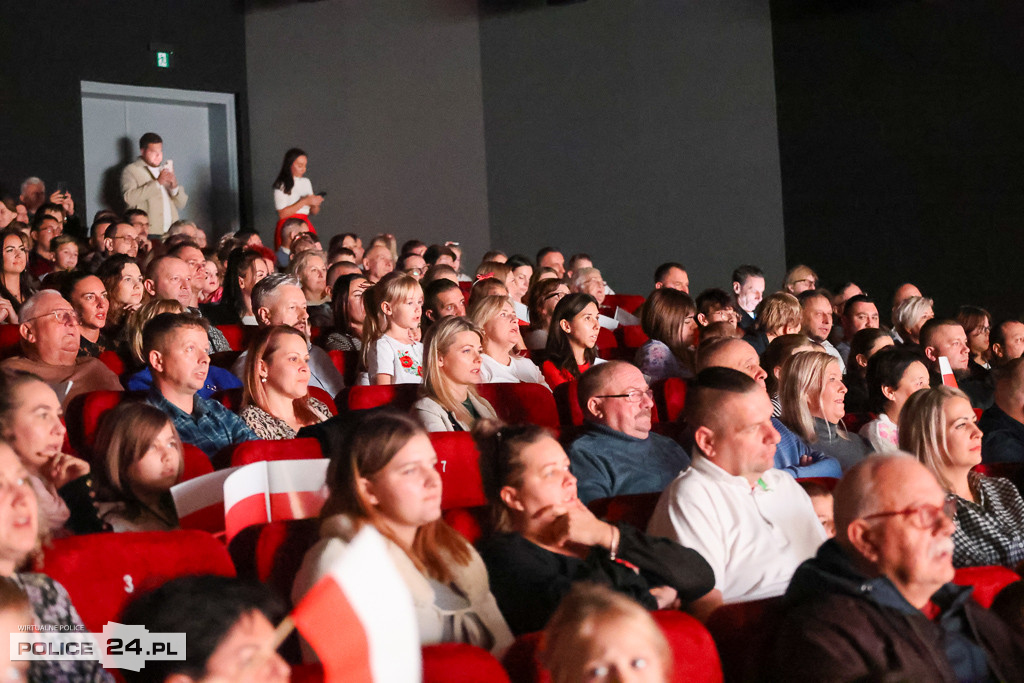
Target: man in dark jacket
<point>877,602</point>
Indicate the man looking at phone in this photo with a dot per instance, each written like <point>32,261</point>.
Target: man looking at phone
<point>149,183</point>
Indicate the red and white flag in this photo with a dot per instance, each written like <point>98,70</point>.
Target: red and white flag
<point>946,370</point>
<point>274,490</point>
<point>359,618</point>
<point>200,501</point>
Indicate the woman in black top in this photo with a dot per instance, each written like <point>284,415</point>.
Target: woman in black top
<point>546,539</point>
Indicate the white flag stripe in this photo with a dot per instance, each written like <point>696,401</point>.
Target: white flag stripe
<point>297,475</point>
<point>202,492</point>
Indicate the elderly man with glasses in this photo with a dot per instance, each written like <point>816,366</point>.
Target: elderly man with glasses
<point>50,339</point>
<point>618,454</point>
<point>878,602</point>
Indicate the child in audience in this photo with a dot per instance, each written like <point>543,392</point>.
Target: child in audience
<point>495,316</point>
<point>894,374</point>
<point>65,252</point>
<point>140,458</point>
<point>599,635</point>
<point>572,336</point>
<point>393,309</point>
<point>546,539</point>
<point>386,477</point>
<point>821,500</point>
<point>452,353</point>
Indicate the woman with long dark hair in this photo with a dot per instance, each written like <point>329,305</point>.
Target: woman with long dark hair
<point>293,193</point>
<point>572,337</point>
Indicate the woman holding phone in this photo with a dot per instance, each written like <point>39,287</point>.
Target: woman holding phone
<point>293,193</point>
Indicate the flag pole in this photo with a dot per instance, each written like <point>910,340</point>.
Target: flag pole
<point>283,630</point>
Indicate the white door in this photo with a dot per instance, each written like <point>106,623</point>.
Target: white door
<point>198,130</point>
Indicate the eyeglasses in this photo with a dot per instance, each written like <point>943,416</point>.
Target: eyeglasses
<point>633,395</point>
<point>923,516</point>
<point>554,294</point>
<point>63,316</point>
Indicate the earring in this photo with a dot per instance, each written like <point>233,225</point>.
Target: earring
<point>263,380</point>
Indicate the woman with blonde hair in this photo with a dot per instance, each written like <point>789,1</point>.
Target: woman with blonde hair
<point>800,279</point>
<point>311,270</point>
<point>453,351</point>
<point>495,317</point>
<point>391,353</point>
<point>275,400</point>
<point>141,458</point>
<point>597,634</point>
<point>386,477</point>
<point>940,428</point>
<point>909,317</point>
<point>778,314</point>
<point>812,392</point>
<point>667,317</point>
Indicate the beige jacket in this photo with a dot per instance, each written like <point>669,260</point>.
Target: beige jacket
<point>480,624</point>
<point>142,191</point>
<point>435,418</point>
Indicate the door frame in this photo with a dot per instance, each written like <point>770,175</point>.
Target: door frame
<point>226,101</point>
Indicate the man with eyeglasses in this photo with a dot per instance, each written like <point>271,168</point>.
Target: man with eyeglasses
<point>751,522</point>
<point>119,238</point>
<point>618,454</point>
<point>50,339</point>
<point>877,602</point>
<point>45,227</point>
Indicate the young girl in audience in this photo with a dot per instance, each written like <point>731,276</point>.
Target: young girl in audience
<point>450,403</point>
<point>543,297</point>
<point>393,309</point>
<point>122,279</point>
<point>546,539</point>
<point>977,324</point>
<point>894,374</point>
<point>349,313</point>
<point>812,395</point>
<point>20,541</point>
<point>30,422</point>
<point>386,477</point>
<point>502,272</point>
<point>497,319</point>
<point>939,426</point>
<point>275,401</point>
<point>16,283</point>
<point>865,344</point>
<point>212,289</point>
<point>778,314</point>
<point>141,459</point>
<point>599,636</point>
<point>823,504</point>
<point>667,318</point>
<point>488,286</point>
<point>572,336</point>
<point>777,353</point>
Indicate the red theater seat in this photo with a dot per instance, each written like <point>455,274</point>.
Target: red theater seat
<point>272,553</point>
<point>260,450</point>
<point>987,582</point>
<point>694,656</point>
<point>632,336</point>
<point>607,345</point>
<point>518,403</point>
<point>10,340</point>
<point>627,302</point>
<point>196,463</point>
<point>670,398</point>
<point>399,396</point>
<point>83,414</point>
<point>113,361</point>
<point>634,509</point>
<point>444,663</point>
<point>854,421</point>
<point>102,572</point>
<point>237,335</point>
<point>347,363</point>
<point>459,464</point>
<point>743,632</point>
<point>567,401</point>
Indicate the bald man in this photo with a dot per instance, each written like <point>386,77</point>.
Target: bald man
<point>878,603</point>
<point>1003,423</point>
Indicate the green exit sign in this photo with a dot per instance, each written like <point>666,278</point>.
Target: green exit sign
<point>163,59</point>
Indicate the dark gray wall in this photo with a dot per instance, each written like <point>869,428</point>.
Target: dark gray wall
<point>385,98</point>
<point>639,131</point>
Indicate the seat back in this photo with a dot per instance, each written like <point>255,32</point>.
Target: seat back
<point>237,336</point>
<point>83,414</point>
<point>460,663</point>
<point>196,463</point>
<point>987,582</point>
<point>114,362</point>
<point>634,509</point>
<point>249,452</point>
<point>607,344</point>
<point>627,302</point>
<point>399,396</point>
<point>743,632</point>
<point>567,402</point>
<point>323,396</point>
<point>102,572</point>
<point>10,340</point>
<point>273,552</point>
<point>518,403</point>
<point>632,336</point>
<point>458,462</point>
<point>670,398</point>
<point>347,363</point>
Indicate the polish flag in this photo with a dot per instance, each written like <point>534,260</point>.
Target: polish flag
<point>359,617</point>
<point>946,370</point>
<point>274,490</point>
<point>200,501</point>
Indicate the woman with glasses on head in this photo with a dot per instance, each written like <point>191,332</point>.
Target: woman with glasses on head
<point>16,284</point>
<point>546,540</point>
<point>544,295</point>
<point>939,427</point>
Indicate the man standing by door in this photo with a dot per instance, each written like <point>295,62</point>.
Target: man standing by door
<point>148,183</point>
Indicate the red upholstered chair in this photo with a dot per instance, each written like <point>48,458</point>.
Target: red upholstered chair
<point>249,452</point>
<point>102,572</point>
<point>463,501</point>
<point>627,302</point>
<point>1014,471</point>
<point>347,363</point>
<point>444,663</point>
<point>854,421</point>
<point>632,336</point>
<point>10,340</point>
<point>607,344</point>
<point>566,400</point>
<point>196,463</point>
<point>987,582</point>
<point>272,553</point>
<point>113,361</point>
<point>694,656</point>
<point>526,402</point>
<point>634,509</point>
<point>321,395</point>
<point>315,333</point>
<point>83,415</point>
<point>399,396</point>
<point>670,398</point>
<point>743,632</point>
<point>467,288</point>
<point>236,335</point>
